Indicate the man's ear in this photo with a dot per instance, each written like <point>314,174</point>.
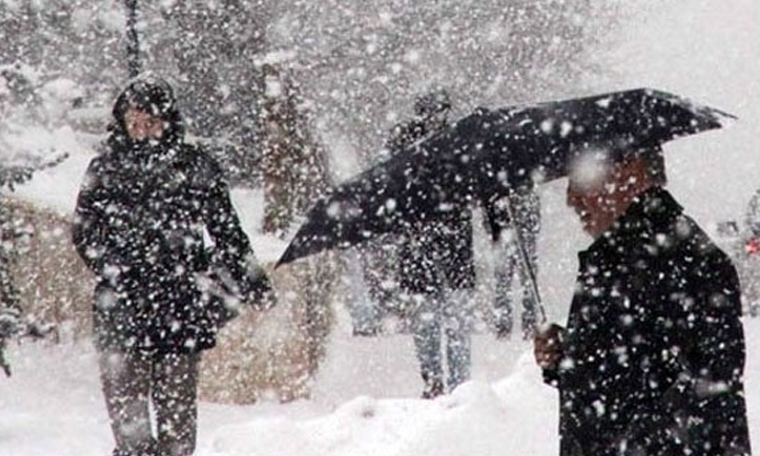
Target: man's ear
<point>634,174</point>
<point>643,171</point>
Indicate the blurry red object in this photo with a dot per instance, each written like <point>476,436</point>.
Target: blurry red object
<point>752,246</point>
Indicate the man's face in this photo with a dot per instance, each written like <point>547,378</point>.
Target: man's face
<point>141,126</point>
<point>437,120</point>
<point>596,192</point>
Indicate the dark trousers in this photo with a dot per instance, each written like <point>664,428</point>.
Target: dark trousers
<point>168,382</point>
<point>444,318</point>
<point>507,264</point>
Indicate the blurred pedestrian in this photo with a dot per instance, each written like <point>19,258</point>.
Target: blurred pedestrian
<point>144,208</point>
<point>749,256</point>
<point>11,321</point>
<point>436,269</point>
<point>10,313</point>
<point>651,361</point>
<point>509,236</point>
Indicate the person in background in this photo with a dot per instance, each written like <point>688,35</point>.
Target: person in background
<point>436,269</point>
<point>10,311</point>
<point>141,214</point>
<point>525,204</point>
<point>377,296</point>
<point>750,256</point>
<point>753,221</point>
<point>651,360</point>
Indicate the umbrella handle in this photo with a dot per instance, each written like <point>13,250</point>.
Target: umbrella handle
<point>524,263</point>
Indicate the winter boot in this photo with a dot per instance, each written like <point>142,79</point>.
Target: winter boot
<point>118,452</point>
<point>149,449</point>
<point>365,331</point>
<point>434,387</point>
<point>503,328</point>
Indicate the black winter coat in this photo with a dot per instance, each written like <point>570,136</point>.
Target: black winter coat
<point>653,352</point>
<point>140,221</point>
<point>433,254</point>
<point>438,254</point>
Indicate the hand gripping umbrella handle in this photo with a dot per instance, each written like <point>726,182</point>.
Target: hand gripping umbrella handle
<point>524,263</point>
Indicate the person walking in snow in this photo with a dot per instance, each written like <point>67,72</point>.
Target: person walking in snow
<point>753,216</point>
<point>139,225</point>
<point>651,361</point>
<point>750,256</point>
<point>436,269</point>
<point>525,204</point>
<point>10,312</point>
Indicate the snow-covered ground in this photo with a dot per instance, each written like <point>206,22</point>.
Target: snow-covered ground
<point>364,403</point>
<point>365,397</point>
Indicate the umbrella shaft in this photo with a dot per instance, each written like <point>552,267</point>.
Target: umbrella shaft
<point>522,255</point>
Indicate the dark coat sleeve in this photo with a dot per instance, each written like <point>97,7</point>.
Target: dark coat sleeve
<point>102,233</point>
<point>89,230</point>
<point>232,247</point>
<point>698,376</point>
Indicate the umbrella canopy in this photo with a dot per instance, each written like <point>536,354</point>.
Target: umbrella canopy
<point>486,154</point>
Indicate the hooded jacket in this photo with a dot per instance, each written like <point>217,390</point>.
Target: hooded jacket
<point>140,220</point>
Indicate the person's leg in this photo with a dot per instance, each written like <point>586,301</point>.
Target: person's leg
<point>427,343</point>
<point>175,392</point>
<point>503,271</point>
<point>529,316</point>
<point>747,266</point>
<point>125,379</point>
<point>458,328</point>
<point>364,312</point>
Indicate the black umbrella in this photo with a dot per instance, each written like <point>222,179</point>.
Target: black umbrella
<point>484,155</point>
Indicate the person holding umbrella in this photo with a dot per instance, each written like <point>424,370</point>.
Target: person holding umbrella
<point>145,206</point>
<point>651,359</point>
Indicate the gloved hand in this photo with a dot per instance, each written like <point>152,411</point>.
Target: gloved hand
<point>248,283</point>
<point>257,289</point>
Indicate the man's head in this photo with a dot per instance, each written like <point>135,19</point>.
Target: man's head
<point>433,107</point>
<point>604,180</point>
